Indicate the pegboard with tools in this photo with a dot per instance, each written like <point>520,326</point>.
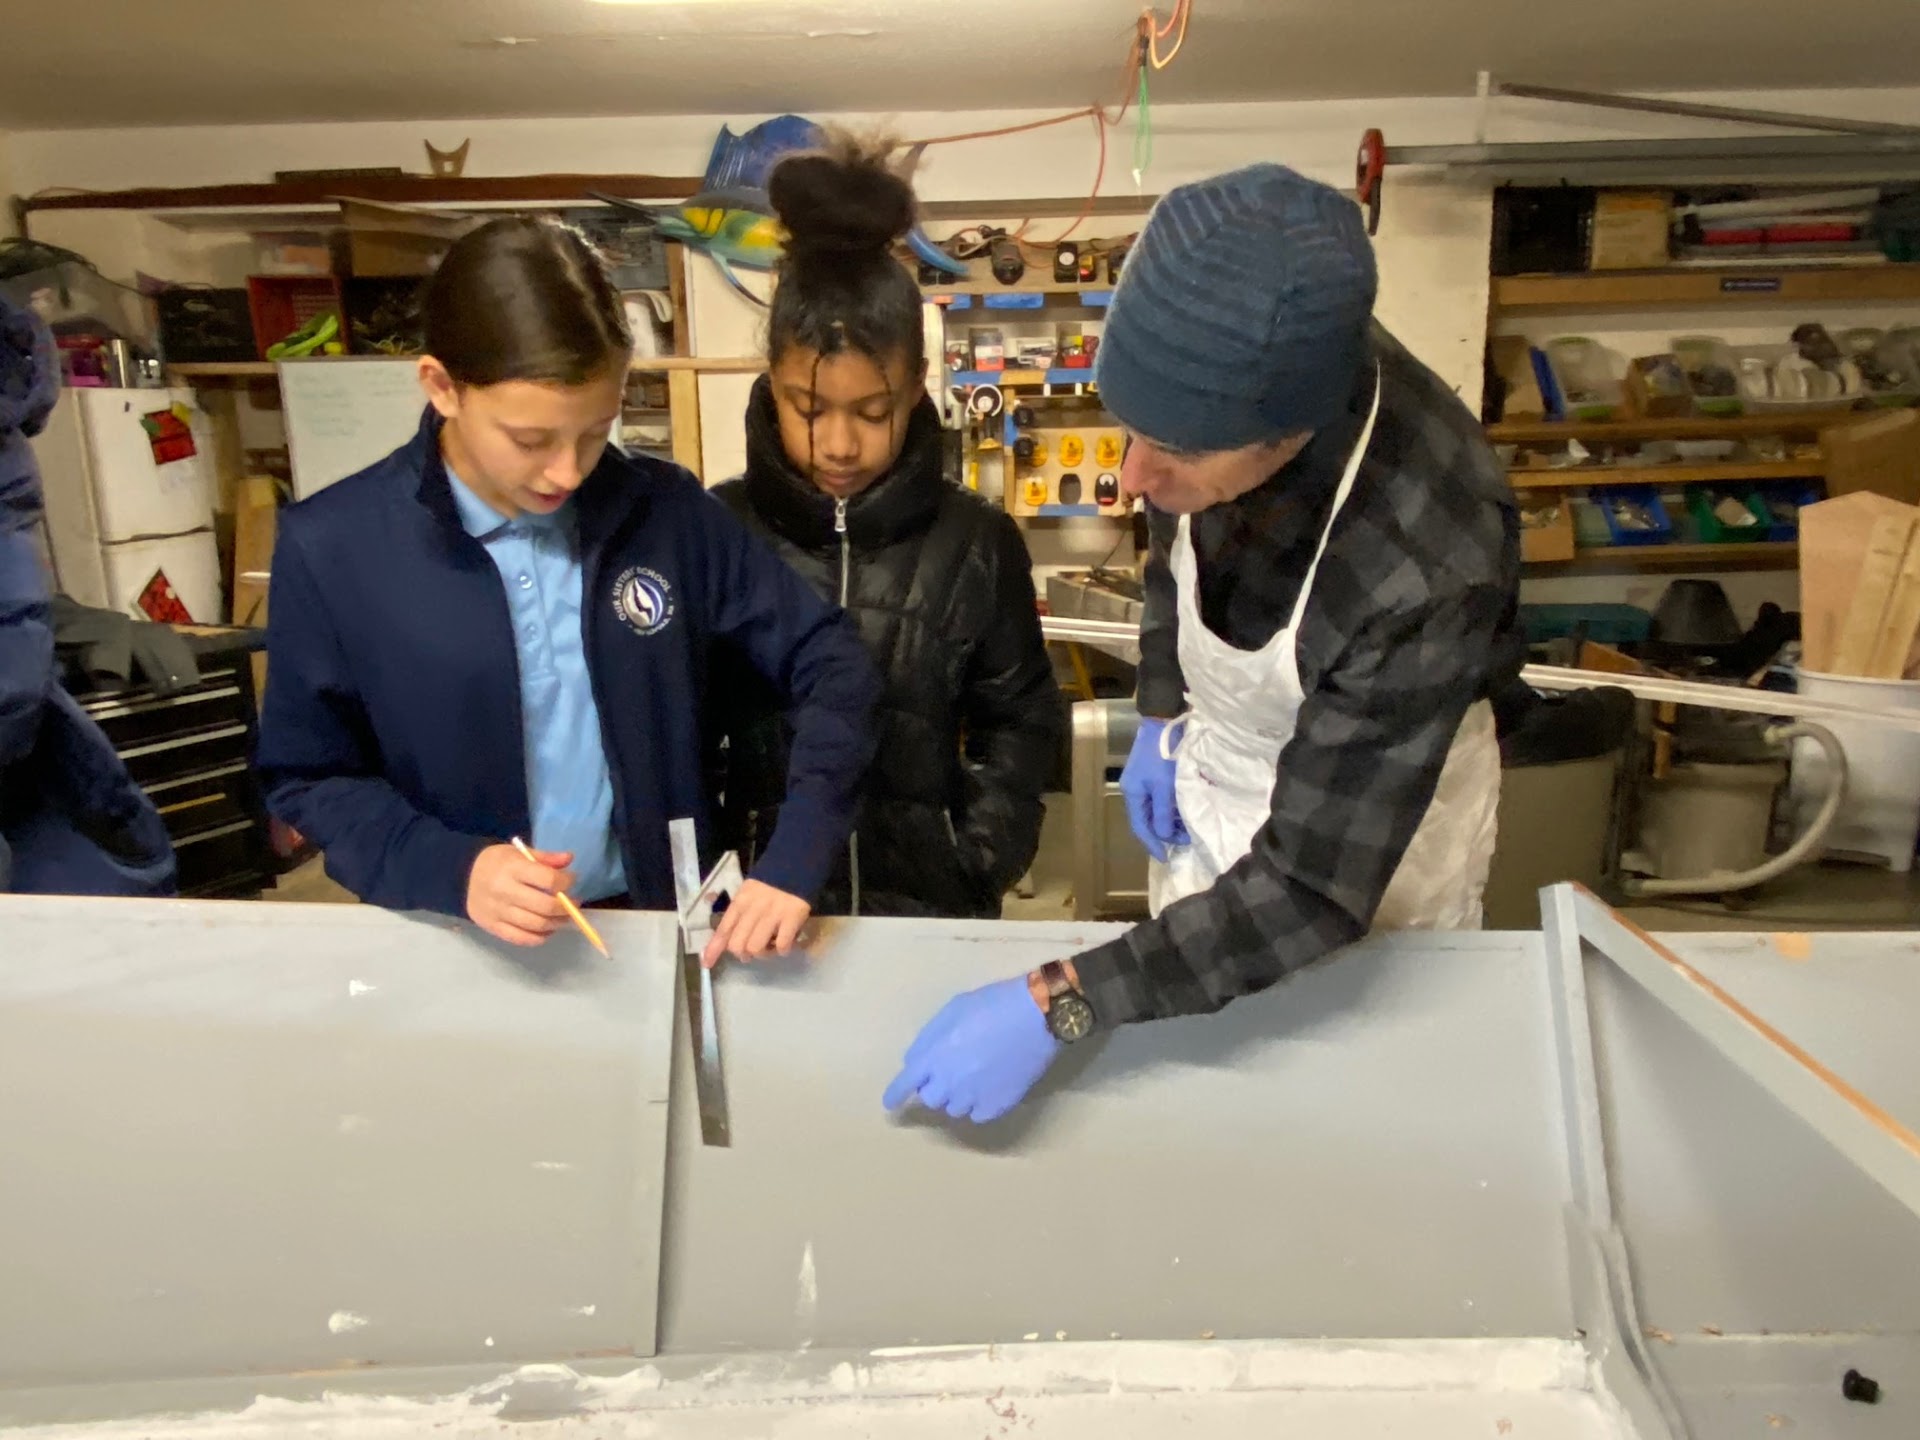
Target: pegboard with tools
<point>1063,459</point>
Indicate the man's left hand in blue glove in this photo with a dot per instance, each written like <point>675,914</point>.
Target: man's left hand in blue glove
<point>980,1055</point>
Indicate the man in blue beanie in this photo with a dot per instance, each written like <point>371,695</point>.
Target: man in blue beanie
<point>1331,590</point>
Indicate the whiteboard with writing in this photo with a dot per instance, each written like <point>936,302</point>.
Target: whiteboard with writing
<point>344,414</point>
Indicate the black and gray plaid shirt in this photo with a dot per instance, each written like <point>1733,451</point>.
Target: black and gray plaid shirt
<point>1411,619</point>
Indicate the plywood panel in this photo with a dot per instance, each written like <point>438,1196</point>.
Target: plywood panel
<point>280,1138</point>
<point>1373,1148</point>
<point>1738,1215</point>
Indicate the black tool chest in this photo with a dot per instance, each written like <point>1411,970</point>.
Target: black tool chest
<point>192,752</point>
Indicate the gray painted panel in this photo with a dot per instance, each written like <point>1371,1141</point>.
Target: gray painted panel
<point>1859,1128</point>
<point>1852,1001</point>
<point>263,1138</point>
<point>1740,1388</point>
<point>1372,1149</point>
<point>1738,1214</point>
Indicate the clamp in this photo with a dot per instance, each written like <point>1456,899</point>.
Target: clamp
<point>1370,174</point>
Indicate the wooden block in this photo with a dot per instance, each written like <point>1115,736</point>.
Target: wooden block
<point>683,400</point>
<point>1607,660</point>
<point>1629,230</point>
<point>255,523</point>
<point>1901,624</point>
<point>1880,454</point>
<point>1834,536</point>
<point>1867,610</point>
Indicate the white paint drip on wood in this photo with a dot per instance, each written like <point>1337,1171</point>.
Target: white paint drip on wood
<point>808,1304</point>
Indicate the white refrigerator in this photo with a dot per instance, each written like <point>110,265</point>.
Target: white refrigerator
<point>129,486</point>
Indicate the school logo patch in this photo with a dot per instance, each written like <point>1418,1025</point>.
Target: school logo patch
<point>644,600</point>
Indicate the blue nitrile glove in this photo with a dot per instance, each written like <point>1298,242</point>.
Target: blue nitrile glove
<point>979,1056</point>
<point>1147,782</point>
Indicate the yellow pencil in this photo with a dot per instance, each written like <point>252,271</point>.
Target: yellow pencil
<point>573,910</point>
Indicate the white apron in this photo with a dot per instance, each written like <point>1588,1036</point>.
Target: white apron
<point>1242,707</point>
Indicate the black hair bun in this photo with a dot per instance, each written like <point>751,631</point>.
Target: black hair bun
<point>845,200</point>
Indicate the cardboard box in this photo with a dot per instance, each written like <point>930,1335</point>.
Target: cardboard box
<point>1880,454</point>
<point>1513,364</point>
<point>989,349</point>
<point>1630,230</point>
<point>255,523</point>
<point>1546,530</point>
<point>1657,388</point>
<point>400,239</point>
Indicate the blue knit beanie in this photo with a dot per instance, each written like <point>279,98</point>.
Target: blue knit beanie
<point>1242,314</point>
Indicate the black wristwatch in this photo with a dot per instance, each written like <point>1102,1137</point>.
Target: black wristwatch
<point>1056,990</point>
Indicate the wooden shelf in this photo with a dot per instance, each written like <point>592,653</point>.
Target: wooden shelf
<point>389,189</point>
<point>224,369</point>
<point>1731,473</point>
<point>1641,559</point>
<point>703,364</point>
<point>1690,427</point>
<point>1647,289</point>
<point>254,369</point>
<point>1018,299</point>
<point>1022,379</point>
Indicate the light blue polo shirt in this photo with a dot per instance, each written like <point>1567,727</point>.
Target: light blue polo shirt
<point>569,788</point>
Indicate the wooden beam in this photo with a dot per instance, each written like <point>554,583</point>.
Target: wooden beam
<point>1686,427</point>
<point>1647,289</point>
<point>391,190</point>
<point>683,396</point>
<point>1668,559</point>
<point>1582,477</point>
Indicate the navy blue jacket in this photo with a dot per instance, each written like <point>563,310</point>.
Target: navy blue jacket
<point>391,733</point>
<point>72,821</point>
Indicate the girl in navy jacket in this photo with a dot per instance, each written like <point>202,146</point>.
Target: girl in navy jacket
<point>503,629</point>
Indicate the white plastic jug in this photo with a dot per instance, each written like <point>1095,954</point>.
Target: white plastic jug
<point>1881,813</point>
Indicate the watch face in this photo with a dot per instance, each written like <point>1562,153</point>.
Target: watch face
<point>1070,1018</point>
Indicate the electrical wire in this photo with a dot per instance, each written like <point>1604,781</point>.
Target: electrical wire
<point>1182,13</point>
<point>1142,53</point>
<point>1142,133</point>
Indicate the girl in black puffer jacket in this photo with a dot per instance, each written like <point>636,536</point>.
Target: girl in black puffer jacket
<point>844,477</point>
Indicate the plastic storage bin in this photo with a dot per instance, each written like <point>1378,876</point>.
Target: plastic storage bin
<point>1705,503</point>
<point>1711,372</point>
<point>204,325</point>
<point>1583,372</point>
<point>77,301</point>
<point>1783,504</point>
<point>1613,505</point>
<point>1603,624</point>
<point>1881,815</point>
<point>281,304</point>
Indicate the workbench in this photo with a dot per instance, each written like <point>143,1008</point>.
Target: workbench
<point>369,1174</point>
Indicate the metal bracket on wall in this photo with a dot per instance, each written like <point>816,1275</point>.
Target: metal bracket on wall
<point>1837,140</point>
